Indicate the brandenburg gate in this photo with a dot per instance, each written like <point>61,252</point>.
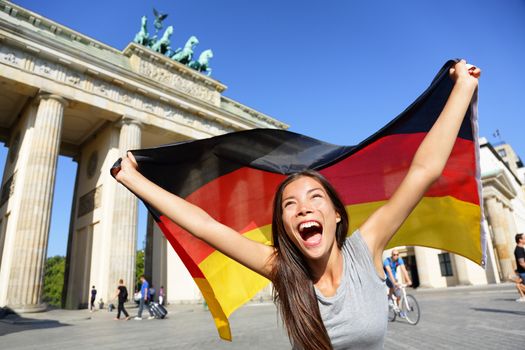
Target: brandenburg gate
<point>63,93</point>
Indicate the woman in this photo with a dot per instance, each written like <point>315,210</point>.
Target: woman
<point>329,289</point>
<point>122,294</point>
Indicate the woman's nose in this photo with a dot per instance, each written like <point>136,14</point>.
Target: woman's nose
<point>304,208</point>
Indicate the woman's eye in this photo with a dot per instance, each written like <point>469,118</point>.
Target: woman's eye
<point>287,204</point>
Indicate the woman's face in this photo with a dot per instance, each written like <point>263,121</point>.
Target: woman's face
<point>309,217</point>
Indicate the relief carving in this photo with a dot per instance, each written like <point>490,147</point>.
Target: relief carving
<point>178,82</point>
<point>45,68</point>
<point>189,118</point>
<point>126,98</point>
<point>161,75</point>
<point>147,105</point>
<point>13,58</point>
<point>145,68</point>
<point>73,78</point>
<point>101,87</point>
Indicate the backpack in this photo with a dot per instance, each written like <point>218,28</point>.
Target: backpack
<point>124,292</point>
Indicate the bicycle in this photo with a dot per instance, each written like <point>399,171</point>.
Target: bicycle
<point>407,307</point>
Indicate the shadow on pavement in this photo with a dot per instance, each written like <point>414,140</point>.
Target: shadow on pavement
<point>11,322</point>
<point>505,299</point>
<point>500,311</point>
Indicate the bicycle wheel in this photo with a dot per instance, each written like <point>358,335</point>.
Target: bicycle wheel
<point>391,314</point>
<point>411,309</point>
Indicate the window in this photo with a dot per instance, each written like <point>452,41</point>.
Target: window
<point>445,264</point>
<point>502,153</point>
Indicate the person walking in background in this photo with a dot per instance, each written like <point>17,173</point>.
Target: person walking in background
<point>144,295</point>
<point>161,295</point>
<point>519,254</point>
<point>93,297</point>
<point>122,295</point>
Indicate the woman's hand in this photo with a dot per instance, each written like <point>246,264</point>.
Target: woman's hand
<point>466,73</point>
<point>128,168</point>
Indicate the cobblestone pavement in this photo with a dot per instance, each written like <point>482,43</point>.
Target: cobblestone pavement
<point>457,318</point>
<point>463,318</point>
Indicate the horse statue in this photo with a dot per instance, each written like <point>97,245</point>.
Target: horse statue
<point>163,44</point>
<point>185,55</point>
<point>202,64</point>
<point>142,36</point>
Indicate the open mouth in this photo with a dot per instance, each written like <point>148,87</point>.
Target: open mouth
<point>311,232</point>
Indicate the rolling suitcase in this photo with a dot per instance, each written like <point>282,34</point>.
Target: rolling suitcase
<point>158,310</point>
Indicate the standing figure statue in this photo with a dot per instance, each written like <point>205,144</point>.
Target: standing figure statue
<point>157,24</point>
<point>185,55</point>
<point>142,36</point>
<point>159,17</point>
<point>202,65</point>
<point>163,44</point>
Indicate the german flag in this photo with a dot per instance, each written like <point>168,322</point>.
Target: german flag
<point>234,177</point>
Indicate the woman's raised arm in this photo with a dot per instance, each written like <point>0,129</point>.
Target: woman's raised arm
<point>427,165</point>
<point>254,255</point>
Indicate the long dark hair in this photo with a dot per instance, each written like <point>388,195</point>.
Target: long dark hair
<point>293,291</point>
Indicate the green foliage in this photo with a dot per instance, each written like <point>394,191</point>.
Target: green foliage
<point>54,280</point>
<point>139,267</point>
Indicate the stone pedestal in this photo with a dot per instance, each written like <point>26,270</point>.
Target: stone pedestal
<point>26,271</point>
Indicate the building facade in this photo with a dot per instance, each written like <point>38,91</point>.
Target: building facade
<point>63,93</point>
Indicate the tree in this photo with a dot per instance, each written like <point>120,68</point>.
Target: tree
<point>139,267</point>
<point>54,280</point>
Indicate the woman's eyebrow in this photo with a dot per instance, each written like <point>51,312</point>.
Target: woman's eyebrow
<point>314,189</point>
<point>309,191</point>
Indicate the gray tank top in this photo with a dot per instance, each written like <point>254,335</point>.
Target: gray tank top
<point>356,316</point>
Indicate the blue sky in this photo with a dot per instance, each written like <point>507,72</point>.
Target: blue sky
<point>334,70</point>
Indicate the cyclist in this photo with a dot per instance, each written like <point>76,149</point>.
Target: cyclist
<point>390,266</point>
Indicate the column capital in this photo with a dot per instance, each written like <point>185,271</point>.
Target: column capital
<point>44,95</point>
<point>128,120</point>
<point>491,193</point>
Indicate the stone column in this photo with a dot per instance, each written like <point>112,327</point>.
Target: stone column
<point>462,270</point>
<point>148,251</point>
<point>124,232</point>
<point>158,256</point>
<point>468,272</point>
<point>497,217</point>
<point>425,266</point>
<point>492,267</point>
<point>511,233</point>
<point>30,246</point>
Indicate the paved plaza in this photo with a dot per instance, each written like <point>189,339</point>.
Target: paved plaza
<point>457,318</point>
